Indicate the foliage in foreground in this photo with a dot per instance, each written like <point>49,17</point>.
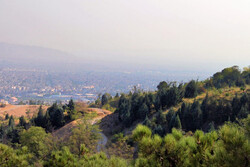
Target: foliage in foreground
<point>229,146</point>
<point>66,158</point>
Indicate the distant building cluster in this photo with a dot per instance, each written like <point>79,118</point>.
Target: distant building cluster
<point>21,85</point>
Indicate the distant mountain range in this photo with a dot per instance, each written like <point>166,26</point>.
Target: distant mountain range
<point>23,56</point>
<point>35,57</point>
<point>12,55</point>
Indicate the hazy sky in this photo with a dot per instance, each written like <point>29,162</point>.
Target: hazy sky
<point>172,33</point>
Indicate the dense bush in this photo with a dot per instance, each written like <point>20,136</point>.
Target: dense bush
<point>231,76</point>
<point>229,146</point>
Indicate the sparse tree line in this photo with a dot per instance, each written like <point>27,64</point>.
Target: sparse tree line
<point>55,117</point>
<point>139,105</point>
<point>206,116</point>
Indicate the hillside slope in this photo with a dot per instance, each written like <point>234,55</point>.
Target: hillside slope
<point>65,131</point>
<point>22,56</point>
<point>20,110</point>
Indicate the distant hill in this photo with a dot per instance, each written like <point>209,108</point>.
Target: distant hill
<point>20,110</point>
<point>12,55</point>
<point>23,56</point>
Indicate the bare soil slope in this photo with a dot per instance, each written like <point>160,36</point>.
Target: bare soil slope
<point>66,130</point>
<point>19,110</point>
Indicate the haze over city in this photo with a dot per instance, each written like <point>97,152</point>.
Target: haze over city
<point>174,35</point>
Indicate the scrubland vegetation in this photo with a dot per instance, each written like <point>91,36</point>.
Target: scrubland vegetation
<point>199,123</point>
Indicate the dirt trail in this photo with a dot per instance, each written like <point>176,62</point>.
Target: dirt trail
<point>102,113</point>
<point>66,130</point>
<point>102,142</point>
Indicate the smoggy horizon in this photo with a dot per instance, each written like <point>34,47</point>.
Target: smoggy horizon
<point>179,35</point>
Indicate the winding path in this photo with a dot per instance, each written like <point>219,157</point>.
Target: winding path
<point>66,130</point>
<point>102,142</point>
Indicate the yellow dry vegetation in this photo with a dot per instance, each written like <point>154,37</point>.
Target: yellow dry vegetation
<point>223,93</point>
<point>20,110</point>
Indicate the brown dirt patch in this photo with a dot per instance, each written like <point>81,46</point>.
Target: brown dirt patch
<point>65,131</point>
<point>20,110</point>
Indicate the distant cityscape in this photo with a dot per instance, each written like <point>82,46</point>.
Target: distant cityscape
<point>25,86</point>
